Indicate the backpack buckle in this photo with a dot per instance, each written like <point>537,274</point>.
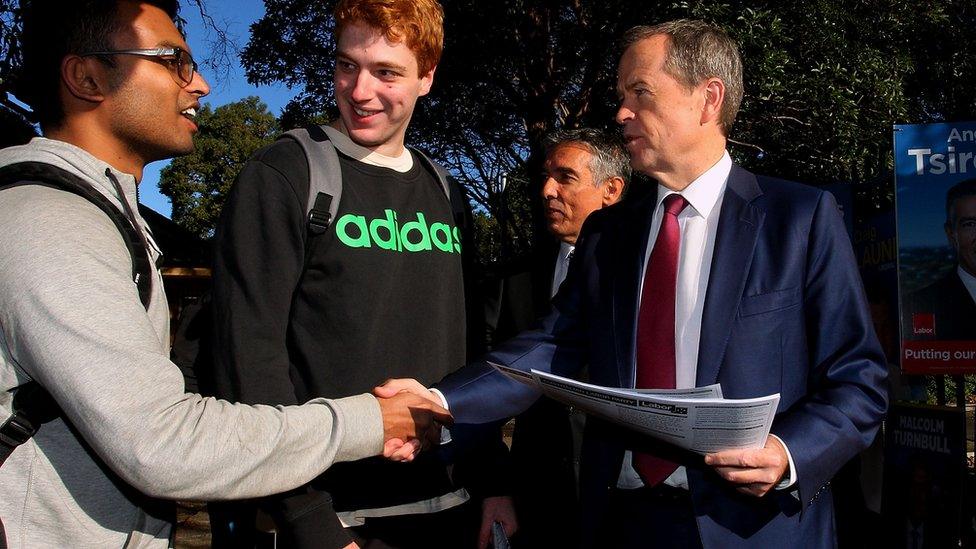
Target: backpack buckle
<point>16,431</point>
<point>319,220</point>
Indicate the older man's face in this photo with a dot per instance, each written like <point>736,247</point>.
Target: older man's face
<point>961,231</point>
<point>570,193</point>
<point>661,118</point>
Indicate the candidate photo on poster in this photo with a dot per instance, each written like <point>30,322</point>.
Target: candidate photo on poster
<point>946,308</point>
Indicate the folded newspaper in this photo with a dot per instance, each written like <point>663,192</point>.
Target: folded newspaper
<point>697,419</point>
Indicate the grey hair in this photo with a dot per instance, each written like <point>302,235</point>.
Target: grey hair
<point>609,157</point>
<point>698,51</point>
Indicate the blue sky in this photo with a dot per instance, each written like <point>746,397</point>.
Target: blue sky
<point>236,16</point>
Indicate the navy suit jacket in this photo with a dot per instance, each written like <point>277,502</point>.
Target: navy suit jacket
<point>784,313</point>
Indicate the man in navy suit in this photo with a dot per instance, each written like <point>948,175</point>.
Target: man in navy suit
<point>758,281</point>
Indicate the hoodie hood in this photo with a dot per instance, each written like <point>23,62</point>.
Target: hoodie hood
<point>79,162</point>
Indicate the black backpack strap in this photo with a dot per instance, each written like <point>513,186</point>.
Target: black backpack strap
<point>33,406</point>
<point>324,176</point>
<point>39,173</point>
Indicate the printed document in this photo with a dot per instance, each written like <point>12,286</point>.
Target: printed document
<point>697,419</point>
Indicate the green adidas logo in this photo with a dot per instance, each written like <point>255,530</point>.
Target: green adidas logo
<point>386,233</point>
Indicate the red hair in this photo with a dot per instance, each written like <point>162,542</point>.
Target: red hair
<point>417,23</point>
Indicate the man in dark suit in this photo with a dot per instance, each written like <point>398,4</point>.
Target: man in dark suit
<point>951,300</point>
<point>723,277</point>
<point>585,170</point>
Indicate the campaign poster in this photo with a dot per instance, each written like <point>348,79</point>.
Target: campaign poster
<point>925,466</point>
<point>935,178</point>
<point>876,249</point>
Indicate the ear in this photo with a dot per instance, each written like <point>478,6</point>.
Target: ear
<point>426,81</point>
<point>612,189</point>
<point>714,93</point>
<point>84,78</point>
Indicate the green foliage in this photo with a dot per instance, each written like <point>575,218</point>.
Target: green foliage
<point>487,237</point>
<point>943,389</point>
<point>197,184</point>
<point>505,233</point>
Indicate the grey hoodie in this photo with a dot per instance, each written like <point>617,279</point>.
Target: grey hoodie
<point>71,318</point>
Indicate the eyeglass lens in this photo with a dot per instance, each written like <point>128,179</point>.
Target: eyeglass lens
<point>185,66</point>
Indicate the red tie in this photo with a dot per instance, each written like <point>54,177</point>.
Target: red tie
<point>655,326</point>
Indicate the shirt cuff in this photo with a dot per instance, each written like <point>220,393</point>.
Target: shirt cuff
<point>445,432</point>
<point>440,395</point>
<point>790,478</point>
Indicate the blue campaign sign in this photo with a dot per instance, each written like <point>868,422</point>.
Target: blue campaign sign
<point>934,247</point>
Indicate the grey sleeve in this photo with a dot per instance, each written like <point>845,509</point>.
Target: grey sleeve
<point>71,319</point>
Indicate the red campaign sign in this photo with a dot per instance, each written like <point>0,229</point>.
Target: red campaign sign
<point>938,357</point>
<point>923,324</point>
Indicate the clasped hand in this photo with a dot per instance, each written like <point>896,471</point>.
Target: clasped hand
<point>412,418</point>
<point>494,509</point>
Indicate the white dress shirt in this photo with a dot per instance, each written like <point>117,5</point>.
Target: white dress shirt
<point>562,266</point>
<point>698,225</point>
<point>969,281</point>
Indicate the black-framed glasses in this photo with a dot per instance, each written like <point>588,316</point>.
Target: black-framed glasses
<point>177,59</point>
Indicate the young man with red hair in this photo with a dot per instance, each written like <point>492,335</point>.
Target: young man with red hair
<point>380,294</point>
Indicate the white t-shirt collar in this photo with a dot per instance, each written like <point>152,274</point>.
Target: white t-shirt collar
<point>401,163</point>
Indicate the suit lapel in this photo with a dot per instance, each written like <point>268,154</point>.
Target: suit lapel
<point>735,241</point>
<point>543,269</point>
<point>961,295</point>
<point>630,249</point>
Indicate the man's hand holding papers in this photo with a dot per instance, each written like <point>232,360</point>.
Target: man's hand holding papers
<point>754,471</point>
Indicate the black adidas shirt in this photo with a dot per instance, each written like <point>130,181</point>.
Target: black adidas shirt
<point>382,297</point>
<point>383,294</point>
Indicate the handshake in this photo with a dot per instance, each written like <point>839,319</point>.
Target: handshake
<point>412,418</point>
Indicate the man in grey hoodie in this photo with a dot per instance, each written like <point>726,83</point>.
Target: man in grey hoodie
<point>114,87</point>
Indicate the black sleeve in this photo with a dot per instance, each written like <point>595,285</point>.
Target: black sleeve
<point>259,260</point>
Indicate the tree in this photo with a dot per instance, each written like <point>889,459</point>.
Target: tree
<point>197,184</point>
<point>824,81</point>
